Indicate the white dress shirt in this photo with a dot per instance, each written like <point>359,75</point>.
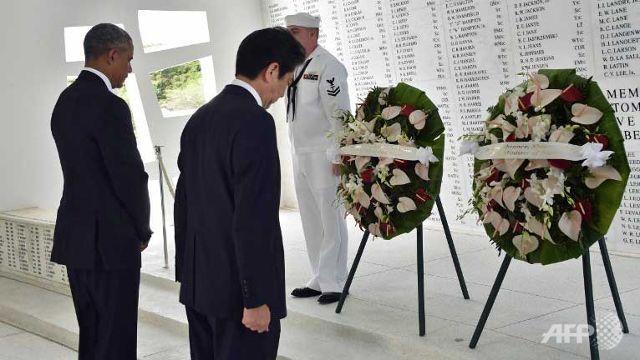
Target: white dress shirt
<point>249,88</point>
<point>101,75</point>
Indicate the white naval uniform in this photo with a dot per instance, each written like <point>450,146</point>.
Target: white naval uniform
<point>321,93</point>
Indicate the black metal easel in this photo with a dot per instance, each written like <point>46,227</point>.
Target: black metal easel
<point>588,291</point>
<point>454,255</point>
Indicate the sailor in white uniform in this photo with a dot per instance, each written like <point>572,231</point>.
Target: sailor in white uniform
<point>317,95</point>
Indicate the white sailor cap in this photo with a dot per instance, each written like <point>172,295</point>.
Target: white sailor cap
<point>302,19</point>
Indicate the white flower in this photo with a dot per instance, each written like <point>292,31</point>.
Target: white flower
<point>584,114</point>
<point>361,197</point>
<point>399,178</point>
<point>405,204</point>
<point>374,229</point>
<point>539,126</point>
<point>570,224</point>
<point>594,156</point>
<point>599,174</point>
<point>537,228</point>
<point>563,134</point>
<point>525,243</point>
<point>361,161</point>
<point>391,132</point>
<point>379,213</point>
<point>422,171</point>
<point>378,194</point>
<point>418,119</point>
<point>391,112</point>
<point>509,166</point>
<point>509,197</point>
<point>511,100</point>
<point>537,82</point>
<point>536,164</point>
<point>542,98</point>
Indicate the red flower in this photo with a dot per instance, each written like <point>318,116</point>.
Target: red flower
<point>387,229</point>
<point>493,177</point>
<point>602,139</point>
<point>585,208</point>
<point>525,102</point>
<point>346,160</point>
<point>560,163</point>
<point>517,228</point>
<point>421,196</point>
<point>572,94</point>
<point>511,137</point>
<point>401,164</point>
<point>492,205</point>
<point>524,183</point>
<point>407,110</point>
<point>367,175</point>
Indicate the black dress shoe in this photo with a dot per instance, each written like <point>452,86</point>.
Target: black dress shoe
<point>329,297</point>
<point>305,292</point>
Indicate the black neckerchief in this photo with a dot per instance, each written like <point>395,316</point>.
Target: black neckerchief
<point>292,89</point>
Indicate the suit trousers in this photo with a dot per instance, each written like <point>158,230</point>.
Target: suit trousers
<point>106,303</point>
<point>323,221</point>
<point>213,338</point>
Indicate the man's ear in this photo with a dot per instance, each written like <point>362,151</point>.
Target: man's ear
<point>272,72</point>
<point>111,56</point>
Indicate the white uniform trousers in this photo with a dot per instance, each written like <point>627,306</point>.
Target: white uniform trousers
<point>323,222</point>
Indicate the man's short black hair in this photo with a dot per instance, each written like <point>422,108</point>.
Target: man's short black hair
<point>266,46</point>
<point>104,37</point>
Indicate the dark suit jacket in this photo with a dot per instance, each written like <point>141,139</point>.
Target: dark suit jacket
<point>104,211</point>
<point>229,252</point>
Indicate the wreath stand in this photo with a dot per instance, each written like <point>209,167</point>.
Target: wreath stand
<point>454,255</point>
<point>588,291</point>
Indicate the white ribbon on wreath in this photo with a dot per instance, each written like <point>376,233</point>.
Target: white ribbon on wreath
<point>381,150</point>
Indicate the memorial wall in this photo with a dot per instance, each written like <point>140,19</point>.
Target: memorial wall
<point>465,53</point>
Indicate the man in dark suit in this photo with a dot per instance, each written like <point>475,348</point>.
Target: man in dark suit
<point>103,218</point>
<point>229,253</point>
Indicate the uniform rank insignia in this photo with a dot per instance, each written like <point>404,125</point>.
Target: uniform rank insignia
<point>310,77</point>
<point>333,89</point>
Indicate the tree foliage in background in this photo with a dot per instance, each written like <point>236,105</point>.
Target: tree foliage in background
<point>179,87</point>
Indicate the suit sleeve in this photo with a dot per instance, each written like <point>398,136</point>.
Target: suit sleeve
<point>117,143</point>
<point>334,96</point>
<point>256,174</point>
<point>180,213</point>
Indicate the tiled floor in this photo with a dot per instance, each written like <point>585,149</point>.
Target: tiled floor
<point>16,344</point>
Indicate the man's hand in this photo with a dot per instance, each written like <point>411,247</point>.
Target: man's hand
<point>335,169</point>
<point>257,319</point>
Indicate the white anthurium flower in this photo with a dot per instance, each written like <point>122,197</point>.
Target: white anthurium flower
<point>384,162</point>
<point>537,164</point>
<point>570,224</point>
<point>379,213</point>
<point>361,197</point>
<point>542,98</point>
<point>391,112</point>
<point>360,113</point>
<point>374,229</point>
<point>562,135</point>
<point>598,175</point>
<point>509,166</point>
<point>511,100</point>
<point>500,224</point>
<point>399,178</point>
<point>405,204</point>
<point>384,94</point>
<point>391,132</point>
<point>361,161</point>
<point>422,171</point>
<point>525,243</point>
<point>495,123</point>
<point>538,228</point>
<point>496,194</point>
<point>533,197</point>
<point>537,82</point>
<point>378,194</point>
<point>510,195</point>
<point>418,118</point>
<point>584,114</point>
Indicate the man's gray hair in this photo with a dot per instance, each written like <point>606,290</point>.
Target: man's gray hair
<point>104,37</point>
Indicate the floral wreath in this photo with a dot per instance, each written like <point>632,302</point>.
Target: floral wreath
<point>550,167</point>
<point>391,160</point>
